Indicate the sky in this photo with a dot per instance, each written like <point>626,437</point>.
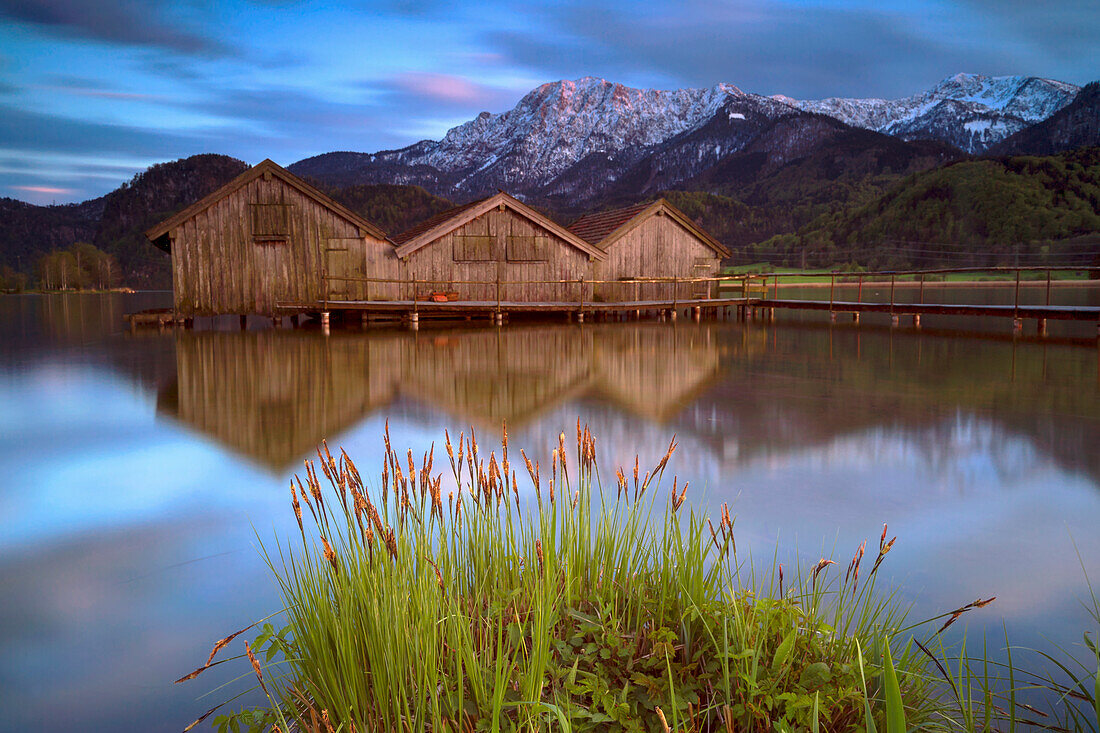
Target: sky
<point>94,91</point>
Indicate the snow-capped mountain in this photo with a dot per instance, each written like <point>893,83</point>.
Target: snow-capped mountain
<point>575,139</point>
<point>1076,125</point>
<point>971,111</point>
<point>551,129</point>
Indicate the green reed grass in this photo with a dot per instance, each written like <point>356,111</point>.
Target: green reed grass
<point>579,610</point>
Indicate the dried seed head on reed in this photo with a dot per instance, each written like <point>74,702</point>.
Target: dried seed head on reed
<point>329,554</point>
<point>853,567</point>
<point>352,469</point>
<point>297,508</point>
<point>561,457</point>
<point>714,535</point>
<point>314,486</point>
<point>450,449</point>
<point>883,548</point>
<point>391,542</point>
<point>256,667</point>
<point>821,565</point>
<point>664,723</point>
<point>437,498</point>
<point>672,445</point>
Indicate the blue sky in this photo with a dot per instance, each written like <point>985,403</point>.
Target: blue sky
<point>93,91</point>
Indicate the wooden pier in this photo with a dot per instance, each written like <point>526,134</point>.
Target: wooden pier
<point>745,297</point>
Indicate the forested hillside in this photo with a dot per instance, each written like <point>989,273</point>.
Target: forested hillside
<point>977,211</point>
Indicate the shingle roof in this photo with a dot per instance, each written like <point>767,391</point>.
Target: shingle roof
<point>594,228</point>
<point>431,223</point>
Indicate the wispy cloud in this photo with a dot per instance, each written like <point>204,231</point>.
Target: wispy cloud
<point>128,22</point>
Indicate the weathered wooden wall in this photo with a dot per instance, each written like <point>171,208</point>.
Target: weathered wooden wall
<point>436,261</point>
<point>658,247</point>
<point>220,264</point>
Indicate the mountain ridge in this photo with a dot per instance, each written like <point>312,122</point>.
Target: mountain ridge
<point>531,148</point>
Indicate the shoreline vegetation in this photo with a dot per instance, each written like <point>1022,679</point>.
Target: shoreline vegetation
<point>415,606</point>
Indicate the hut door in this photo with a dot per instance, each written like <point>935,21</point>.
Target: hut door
<point>338,263</point>
<point>346,258</point>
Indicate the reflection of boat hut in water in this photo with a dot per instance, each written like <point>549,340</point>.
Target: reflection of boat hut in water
<point>273,395</point>
<point>266,237</point>
<point>649,240</point>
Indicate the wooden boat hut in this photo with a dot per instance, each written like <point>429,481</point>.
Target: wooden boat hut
<point>645,241</point>
<point>268,237</point>
<point>496,248</point>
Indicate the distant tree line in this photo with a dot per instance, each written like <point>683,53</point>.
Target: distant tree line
<point>82,266</point>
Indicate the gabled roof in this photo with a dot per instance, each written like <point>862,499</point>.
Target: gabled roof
<point>428,231</point>
<point>263,168</point>
<point>594,228</point>
<point>604,228</point>
<point>431,223</point>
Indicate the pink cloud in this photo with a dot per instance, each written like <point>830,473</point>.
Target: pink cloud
<point>444,88</point>
<point>45,189</point>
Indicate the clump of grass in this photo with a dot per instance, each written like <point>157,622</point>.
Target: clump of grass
<point>578,609</point>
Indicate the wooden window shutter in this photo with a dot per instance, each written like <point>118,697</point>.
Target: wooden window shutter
<point>270,220</point>
<point>527,248</point>
<point>473,248</point>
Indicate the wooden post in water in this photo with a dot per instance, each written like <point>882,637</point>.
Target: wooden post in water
<point>893,315</point>
<point>775,295</point>
<point>1017,324</point>
<point>1016,300</point>
<point>832,286</point>
<point>922,288</point>
<point>859,297</point>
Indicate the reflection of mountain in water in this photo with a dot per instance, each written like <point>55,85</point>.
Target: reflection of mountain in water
<point>273,395</point>
<point>734,394</point>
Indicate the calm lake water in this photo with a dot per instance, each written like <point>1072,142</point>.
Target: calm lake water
<point>137,469</point>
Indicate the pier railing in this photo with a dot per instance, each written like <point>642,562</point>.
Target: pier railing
<point>914,278</point>
<point>585,288</point>
<point>747,293</point>
<point>743,285</point>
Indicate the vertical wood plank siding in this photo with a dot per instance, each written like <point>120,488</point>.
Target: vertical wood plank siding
<point>219,266</point>
<point>436,261</point>
<point>658,247</point>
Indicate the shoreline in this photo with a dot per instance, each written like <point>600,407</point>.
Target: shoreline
<point>944,284</point>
